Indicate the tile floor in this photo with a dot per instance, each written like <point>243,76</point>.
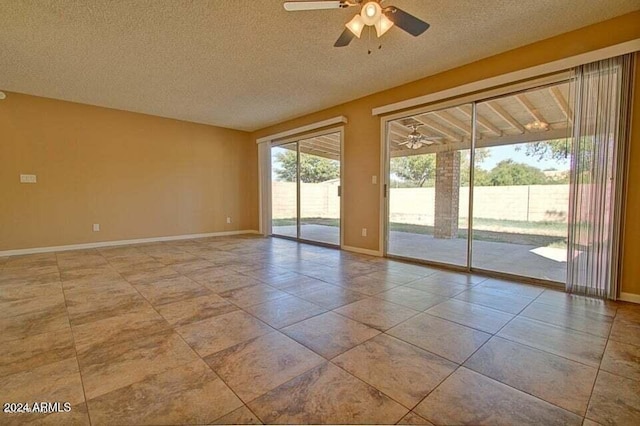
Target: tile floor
<point>250,330</point>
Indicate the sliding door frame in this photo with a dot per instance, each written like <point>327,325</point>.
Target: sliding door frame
<point>385,159</point>
<point>296,140</point>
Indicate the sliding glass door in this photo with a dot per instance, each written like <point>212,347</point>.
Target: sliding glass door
<point>521,184</point>
<point>306,189</point>
<point>484,185</point>
<point>429,186</point>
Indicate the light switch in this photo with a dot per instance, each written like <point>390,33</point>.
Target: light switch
<point>374,179</point>
<point>27,178</point>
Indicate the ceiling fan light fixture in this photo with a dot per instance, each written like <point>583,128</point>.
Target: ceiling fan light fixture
<point>537,126</point>
<point>383,25</point>
<point>356,25</point>
<point>371,13</point>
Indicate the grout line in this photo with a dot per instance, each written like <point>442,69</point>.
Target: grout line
<point>73,337</point>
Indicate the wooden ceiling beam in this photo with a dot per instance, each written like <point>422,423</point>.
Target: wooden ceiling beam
<point>440,129</point>
<point>493,105</point>
<point>562,103</point>
<point>483,121</point>
<point>458,124</point>
<point>528,106</point>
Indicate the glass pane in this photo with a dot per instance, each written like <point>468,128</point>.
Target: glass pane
<point>319,188</point>
<point>284,192</point>
<point>521,184</point>
<point>429,185</point>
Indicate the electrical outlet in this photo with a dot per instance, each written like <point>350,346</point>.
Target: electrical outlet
<point>28,179</point>
<point>96,227</point>
<point>228,219</point>
<point>364,232</point>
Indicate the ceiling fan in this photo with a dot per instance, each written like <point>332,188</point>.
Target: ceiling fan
<point>416,140</point>
<point>372,14</point>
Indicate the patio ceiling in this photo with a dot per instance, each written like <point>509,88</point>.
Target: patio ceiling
<point>500,121</point>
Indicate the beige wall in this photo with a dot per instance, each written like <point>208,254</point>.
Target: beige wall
<point>362,133</point>
<point>136,175</point>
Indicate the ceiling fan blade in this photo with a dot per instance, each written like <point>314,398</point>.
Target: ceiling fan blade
<point>406,21</point>
<point>294,6</point>
<point>344,39</point>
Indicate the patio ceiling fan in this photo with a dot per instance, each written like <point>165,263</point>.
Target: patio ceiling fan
<point>416,140</point>
<point>372,14</point>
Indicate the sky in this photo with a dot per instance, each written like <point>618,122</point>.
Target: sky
<point>505,152</point>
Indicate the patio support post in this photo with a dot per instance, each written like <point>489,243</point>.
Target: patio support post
<point>447,194</point>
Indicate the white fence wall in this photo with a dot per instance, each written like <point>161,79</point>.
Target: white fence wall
<point>533,203</point>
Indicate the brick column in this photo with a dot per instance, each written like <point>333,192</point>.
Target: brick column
<point>447,194</point>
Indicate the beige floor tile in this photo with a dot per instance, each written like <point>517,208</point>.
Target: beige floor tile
<point>85,308</point>
<point>402,371</point>
<point>256,366</point>
<point>574,303</point>
<point>152,273</point>
<point>411,298</point>
<point>396,277</point>
<point>331,297</point>
<point>557,380</point>
<point>205,276</point>
<point>376,313</point>
<point>226,282</point>
<point>44,321</point>
<point>221,332</point>
<point>580,320</point>
<point>625,331</point>
<point>57,381</point>
<point>326,395</point>
<point>284,311</point>
<point>188,394</point>
<point>329,334</point>
<point>581,347</point>
<point>622,359</point>
<point>27,278</point>
<point>195,309</point>
<point>171,290</point>
<point>471,315</point>
<point>31,305</point>
<point>615,400</point>
<point>441,288</point>
<point>131,325</point>
<point>86,272</point>
<point>470,398</point>
<point>36,350</point>
<point>511,303</point>
<point>112,367</point>
<point>240,416</point>
<point>511,287</point>
<point>414,419</point>
<point>252,295</point>
<point>191,266</point>
<point>368,285</point>
<point>445,338</point>
<point>307,285</point>
<point>15,292</point>
<point>78,416</point>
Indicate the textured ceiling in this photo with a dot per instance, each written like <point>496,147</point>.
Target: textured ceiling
<point>246,64</point>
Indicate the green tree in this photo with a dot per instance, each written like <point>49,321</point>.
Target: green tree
<point>313,169</point>
<point>414,169</point>
<point>508,172</point>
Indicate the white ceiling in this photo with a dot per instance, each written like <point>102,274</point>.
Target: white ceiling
<point>246,64</point>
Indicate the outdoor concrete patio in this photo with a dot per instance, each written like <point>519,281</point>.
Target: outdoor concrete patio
<point>517,259</point>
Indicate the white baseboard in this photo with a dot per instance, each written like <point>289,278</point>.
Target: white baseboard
<point>362,251</point>
<point>121,242</point>
<point>630,297</point>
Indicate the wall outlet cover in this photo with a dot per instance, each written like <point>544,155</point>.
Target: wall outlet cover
<point>96,227</point>
<point>28,179</point>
